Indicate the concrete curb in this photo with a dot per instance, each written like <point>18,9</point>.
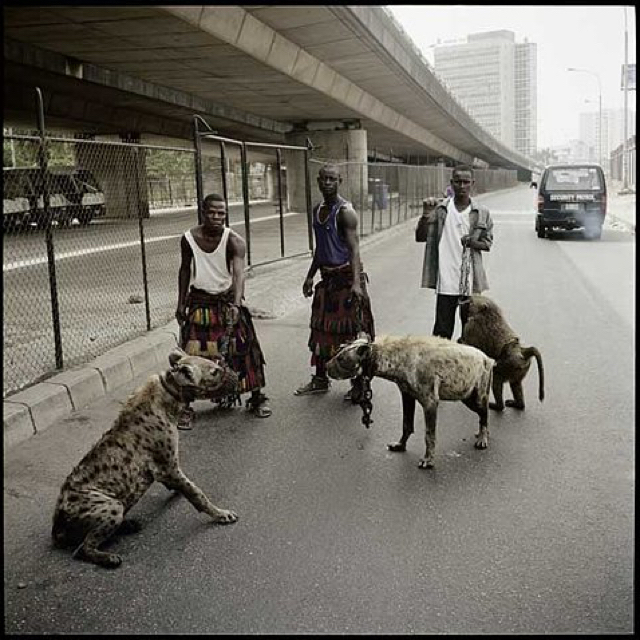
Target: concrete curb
<point>35,409</point>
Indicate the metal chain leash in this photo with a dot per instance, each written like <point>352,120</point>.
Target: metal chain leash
<point>366,394</point>
<point>365,403</point>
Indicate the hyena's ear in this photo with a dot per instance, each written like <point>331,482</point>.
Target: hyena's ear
<point>176,355</point>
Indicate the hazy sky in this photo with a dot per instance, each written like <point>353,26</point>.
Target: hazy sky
<point>585,37</point>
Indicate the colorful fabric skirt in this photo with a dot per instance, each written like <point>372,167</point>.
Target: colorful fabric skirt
<point>208,332</point>
<point>335,317</point>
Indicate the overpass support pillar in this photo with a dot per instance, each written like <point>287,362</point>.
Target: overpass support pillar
<point>345,147</point>
<point>122,174</point>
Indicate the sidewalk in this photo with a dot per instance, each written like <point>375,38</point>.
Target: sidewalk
<point>621,209</point>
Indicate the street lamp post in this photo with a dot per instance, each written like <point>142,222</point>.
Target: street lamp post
<point>625,143</point>
<point>593,73</point>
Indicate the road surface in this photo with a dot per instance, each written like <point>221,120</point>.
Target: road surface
<point>338,535</point>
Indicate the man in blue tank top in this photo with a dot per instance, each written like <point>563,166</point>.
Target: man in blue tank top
<point>341,307</point>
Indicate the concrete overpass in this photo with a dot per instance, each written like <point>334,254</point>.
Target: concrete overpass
<point>346,76</point>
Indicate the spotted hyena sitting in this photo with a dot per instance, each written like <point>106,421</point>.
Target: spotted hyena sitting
<point>140,448</point>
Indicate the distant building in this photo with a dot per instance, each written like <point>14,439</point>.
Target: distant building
<point>495,78</point>
<point>612,130</point>
<point>574,151</point>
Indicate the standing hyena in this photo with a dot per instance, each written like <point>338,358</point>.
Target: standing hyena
<point>426,369</point>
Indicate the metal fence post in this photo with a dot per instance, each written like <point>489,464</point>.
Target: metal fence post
<point>43,163</point>
<point>307,187</point>
<point>361,200</point>
<point>245,197</point>
<point>387,175</point>
<point>143,253</point>
<point>373,205</point>
<point>279,170</point>
<point>225,189</point>
<point>198,163</point>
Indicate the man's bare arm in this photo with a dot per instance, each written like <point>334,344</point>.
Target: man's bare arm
<point>238,250</point>
<point>348,228</point>
<point>184,275</point>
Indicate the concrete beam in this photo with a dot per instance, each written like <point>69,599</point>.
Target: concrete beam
<point>235,26</point>
<point>24,54</point>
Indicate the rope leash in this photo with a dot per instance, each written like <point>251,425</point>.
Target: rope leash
<point>232,399</point>
<point>465,269</point>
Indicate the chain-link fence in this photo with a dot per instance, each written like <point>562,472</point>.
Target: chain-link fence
<point>91,230</point>
<point>91,234</point>
<point>385,194</point>
<point>86,266</point>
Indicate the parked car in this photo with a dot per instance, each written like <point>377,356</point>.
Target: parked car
<point>74,195</point>
<point>572,196</point>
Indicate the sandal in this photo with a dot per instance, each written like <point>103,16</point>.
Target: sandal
<point>185,420</point>
<point>258,406</point>
<point>318,384</point>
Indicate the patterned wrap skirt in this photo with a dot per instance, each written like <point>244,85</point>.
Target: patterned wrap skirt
<point>335,317</point>
<point>208,332</point>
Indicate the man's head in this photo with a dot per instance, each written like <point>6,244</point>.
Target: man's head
<point>462,181</point>
<point>329,180</point>
<point>214,211</point>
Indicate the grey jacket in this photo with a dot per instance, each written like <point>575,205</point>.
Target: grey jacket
<point>481,229</point>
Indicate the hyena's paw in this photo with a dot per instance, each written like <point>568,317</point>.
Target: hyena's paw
<point>397,446</point>
<point>426,463</point>
<point>497,407</point>
<point>102,558</point>
<point>482,440</point>
<point>225,517</point>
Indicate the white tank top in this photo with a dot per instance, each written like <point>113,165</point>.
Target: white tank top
<point>456,224</point>
<point>210,272</point>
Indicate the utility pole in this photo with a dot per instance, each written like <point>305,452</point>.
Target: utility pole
<point>625,86</point>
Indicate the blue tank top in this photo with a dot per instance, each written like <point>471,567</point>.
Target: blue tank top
<point>331,249</point>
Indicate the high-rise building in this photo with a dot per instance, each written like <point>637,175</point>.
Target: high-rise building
<point>495,78</point>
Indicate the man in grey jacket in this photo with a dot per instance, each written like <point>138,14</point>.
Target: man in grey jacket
<point>458,229</point>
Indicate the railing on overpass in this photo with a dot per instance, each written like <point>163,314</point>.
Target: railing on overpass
<point>91,257</point>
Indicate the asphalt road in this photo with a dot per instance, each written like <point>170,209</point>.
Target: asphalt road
<point>338,535</point>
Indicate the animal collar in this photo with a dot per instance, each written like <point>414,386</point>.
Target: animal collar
<point>173,392</point>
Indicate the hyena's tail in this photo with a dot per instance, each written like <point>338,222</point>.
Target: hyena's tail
<point>529,352</point>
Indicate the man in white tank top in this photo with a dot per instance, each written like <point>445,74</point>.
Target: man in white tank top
<point>213,320</point>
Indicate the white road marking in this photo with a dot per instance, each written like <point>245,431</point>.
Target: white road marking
<point>12,266</point>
